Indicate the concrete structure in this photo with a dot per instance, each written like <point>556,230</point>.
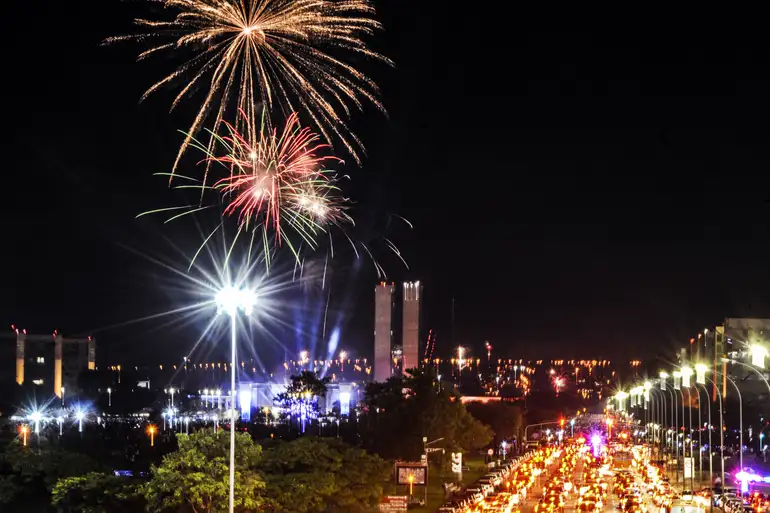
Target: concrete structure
<point>80,354</point>
<point>383,330</point>
<point>410,341</point>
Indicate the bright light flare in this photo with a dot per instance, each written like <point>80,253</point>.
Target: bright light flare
<point>231,299</point>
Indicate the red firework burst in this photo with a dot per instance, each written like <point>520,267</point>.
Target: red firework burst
<point>273,174</point>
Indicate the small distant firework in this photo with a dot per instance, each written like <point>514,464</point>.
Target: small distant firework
<point>268,51</point>
<point>558,383</point>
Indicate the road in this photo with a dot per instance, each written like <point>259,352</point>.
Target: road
<point>611,504</point>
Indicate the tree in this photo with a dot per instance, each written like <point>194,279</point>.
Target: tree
<point>301,396</point>
<point>314,475</point>
<point>197,475</point>
<point>397,414</point>
<point>505,419</point>
<point>30,472</point>
<point>97,493</point>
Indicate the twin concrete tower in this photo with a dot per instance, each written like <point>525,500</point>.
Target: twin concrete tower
<point>384,304</point>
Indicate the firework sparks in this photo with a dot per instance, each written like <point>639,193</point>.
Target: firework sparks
<point>278,176</point>
<point>275,183</point>
<point>268,51</point>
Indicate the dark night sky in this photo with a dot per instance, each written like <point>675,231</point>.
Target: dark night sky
<point>579,194</point>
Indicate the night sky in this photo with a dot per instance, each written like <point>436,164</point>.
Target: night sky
<point>578,194</point>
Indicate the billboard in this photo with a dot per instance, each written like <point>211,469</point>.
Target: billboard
<point>417,471</point>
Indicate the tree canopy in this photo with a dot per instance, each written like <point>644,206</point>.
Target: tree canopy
<point>314,475</point>
<point>504,419</point>
<point>397,414</point>
<point>32,472</point>
<point>197,474</point>
<point>97,493</point>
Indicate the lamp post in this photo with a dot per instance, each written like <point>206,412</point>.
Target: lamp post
<point>151,429</point>
<point>171,391</point>
<point>740,424</point>
<point>711,470</point>
<point>35,417</point>
<point>79,416</point>
<point>60,420</point>
<point>230,300</point>
<point>109,397</point>
<point>721,435</point>
<point>62,397</point>
<point>24,430</point>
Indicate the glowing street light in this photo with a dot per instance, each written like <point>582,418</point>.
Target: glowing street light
<point>36,417</point>
<point>60,420</point>
<point>151,429</point>
<point>230,300</point>
<point>24,431</point>
<point>410,478</point>
<point>758,355</point>
<point>171,392</point>
<point>700,373</point>
<point>79,416</point>
<point>621,397</point>
<point>687,372</point>
<point>109,397</point>
<point>62,397</point>
<point>663,376</point>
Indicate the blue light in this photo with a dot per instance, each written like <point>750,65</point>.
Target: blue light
<point>245,401</point>
<point>344,403</point>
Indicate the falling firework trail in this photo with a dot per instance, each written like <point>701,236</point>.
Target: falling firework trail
<point>326,312</point>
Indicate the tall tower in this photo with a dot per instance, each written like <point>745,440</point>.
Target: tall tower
<point>383,330</point>
<point>411,330</point>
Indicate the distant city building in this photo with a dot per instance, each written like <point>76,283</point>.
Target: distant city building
<point>383,330</point>
<point>410,341</point>
<point>37,354</point>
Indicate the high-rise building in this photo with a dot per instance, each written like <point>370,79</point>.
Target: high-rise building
<point>383,330</point>
<point>410,336</point>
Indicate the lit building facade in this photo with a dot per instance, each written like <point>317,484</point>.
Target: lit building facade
<point>383,330</point>
<point>410,341</point>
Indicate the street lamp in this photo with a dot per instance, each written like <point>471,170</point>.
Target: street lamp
<point>621,397</point>
<point>758,355</point>
<point>79,416</point>
<point>171,391</point>
<point>35,417</point>
<point>230,300</point>
<point>62,397</point>
<point>24,430</point>
<point>109,397</point>
<point>151,429</point>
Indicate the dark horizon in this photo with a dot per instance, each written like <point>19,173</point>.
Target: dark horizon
<point>577,194</point>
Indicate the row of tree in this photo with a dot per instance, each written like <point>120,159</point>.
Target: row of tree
<point>306,475</point>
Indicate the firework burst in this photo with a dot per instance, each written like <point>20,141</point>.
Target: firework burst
<point>275,184</point>
<point>268,51</point>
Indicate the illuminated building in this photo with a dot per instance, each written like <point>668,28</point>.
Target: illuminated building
<point>383,330</point>
<point>410,341</point>
<point>35,353</point>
